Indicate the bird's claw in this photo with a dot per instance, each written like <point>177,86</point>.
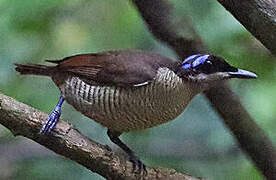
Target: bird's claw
<point>138,166</point>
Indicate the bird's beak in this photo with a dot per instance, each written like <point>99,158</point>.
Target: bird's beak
<point>242,74</point>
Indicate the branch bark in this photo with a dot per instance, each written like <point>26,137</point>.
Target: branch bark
<point>158,17</point>
<point>24,120</point>
<point>250,137</point>
<point>258,17</point>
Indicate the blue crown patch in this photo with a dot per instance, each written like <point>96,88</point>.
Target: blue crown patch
<point>194,60</point>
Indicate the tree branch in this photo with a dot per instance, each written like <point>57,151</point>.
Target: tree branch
<point>258,17</point>
<point>24,120</point>
<point>249,135</point>
<point>158,18</point>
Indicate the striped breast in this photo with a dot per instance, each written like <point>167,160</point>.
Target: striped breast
<point>130,108</point>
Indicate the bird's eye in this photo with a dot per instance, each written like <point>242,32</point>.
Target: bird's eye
<point>207,67</point>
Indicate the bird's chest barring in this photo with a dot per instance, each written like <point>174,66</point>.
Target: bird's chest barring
<point>122,108</point>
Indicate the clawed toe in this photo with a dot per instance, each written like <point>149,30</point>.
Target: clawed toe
<point>138,166</point>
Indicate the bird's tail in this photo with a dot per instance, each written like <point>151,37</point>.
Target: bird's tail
<point>35,69</point>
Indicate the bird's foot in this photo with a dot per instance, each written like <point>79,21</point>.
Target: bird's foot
<point>53,118</point>
<point>137,165</point>
<point>51,121</point>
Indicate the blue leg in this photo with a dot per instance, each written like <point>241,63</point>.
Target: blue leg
<point>53,117</point>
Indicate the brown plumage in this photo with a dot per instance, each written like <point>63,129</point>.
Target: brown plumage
<point>123,68</point>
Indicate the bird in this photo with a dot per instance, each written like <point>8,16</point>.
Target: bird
<point>130,90</point>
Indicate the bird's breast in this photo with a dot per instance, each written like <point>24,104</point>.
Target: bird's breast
<point>130,108</point>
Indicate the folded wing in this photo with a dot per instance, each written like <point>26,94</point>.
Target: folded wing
<point>121,68</point>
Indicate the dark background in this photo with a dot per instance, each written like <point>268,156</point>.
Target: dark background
<point>196,142</point>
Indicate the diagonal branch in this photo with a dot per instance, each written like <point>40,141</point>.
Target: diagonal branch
<point>258,17</point>
<point>24,120</point>
<point>251,138</point>
<point>158,18</point>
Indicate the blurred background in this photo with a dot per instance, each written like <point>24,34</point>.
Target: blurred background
<point>197,142</point>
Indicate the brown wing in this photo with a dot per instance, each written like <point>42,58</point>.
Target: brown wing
<point>123,68</point>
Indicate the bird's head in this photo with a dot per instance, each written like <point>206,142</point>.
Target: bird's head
<point>208,69</point>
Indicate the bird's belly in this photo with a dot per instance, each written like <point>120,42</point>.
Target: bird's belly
<point>126,108</point>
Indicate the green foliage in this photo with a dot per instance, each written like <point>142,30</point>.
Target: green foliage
<point>196,142</point>
<point>51,168</point>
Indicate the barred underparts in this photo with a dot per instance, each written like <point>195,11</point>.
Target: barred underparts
<point>130,108</point>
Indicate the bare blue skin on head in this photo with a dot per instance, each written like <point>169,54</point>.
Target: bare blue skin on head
<point>191,57</point>
<point>199,59</point>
